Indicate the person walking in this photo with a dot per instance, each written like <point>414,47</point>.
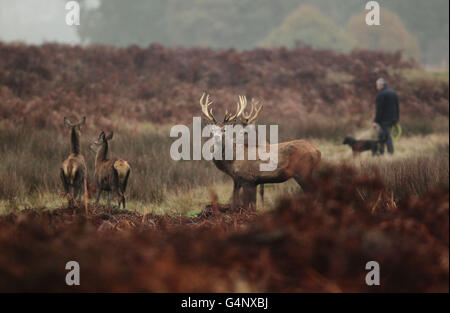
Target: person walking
<point>387,114</point>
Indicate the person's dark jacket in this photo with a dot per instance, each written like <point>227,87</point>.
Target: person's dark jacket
<point>386,107</point>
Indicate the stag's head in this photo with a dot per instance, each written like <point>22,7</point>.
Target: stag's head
<point>75,126</point>
<point>101,140</point>
<point>239,117</point>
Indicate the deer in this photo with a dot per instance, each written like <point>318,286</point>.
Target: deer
<point>73,169</point>
<point>111,175</point>
<point>248,119</point>
<point>297,159</point>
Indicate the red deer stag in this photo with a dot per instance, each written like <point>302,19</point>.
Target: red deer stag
<point>296,159</point>
<point>73,170</point>
<point>110,175</point>
<point>248,119</point>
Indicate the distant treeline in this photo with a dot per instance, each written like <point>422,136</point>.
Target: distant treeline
<point>419,28</point>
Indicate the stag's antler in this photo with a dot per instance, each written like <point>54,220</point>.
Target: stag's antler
<point>248,118</point>
<point>240,107</point>
<point>207,111</point>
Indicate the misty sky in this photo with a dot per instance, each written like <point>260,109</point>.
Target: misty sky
<point>36,21</point>
<point>40,21</point>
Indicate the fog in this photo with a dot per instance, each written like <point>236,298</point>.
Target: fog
<point>33,22</point>
<point>418,28</point>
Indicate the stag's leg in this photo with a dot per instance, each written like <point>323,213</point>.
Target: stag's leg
<point>261,192</point>
<point>109,199</point>
<point>99,191</point>
<point>236,189</point>
<point>250,196</point>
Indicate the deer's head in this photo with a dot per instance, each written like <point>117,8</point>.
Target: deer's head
<point>100,141</point>
<point>239,117</point>
<point>75,126</point>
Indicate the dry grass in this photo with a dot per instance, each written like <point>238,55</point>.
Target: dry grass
<point>31,160</point>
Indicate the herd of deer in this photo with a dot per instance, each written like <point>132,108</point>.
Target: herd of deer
<point>110,175</point>
<point>297,159</point>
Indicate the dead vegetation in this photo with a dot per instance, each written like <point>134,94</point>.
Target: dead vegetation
<point>41,85</point>
<point>311,242</point>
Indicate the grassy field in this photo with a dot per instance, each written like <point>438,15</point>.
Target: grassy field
<point>31,160</point>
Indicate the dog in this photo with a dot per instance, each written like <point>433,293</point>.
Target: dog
<point>359,146</point>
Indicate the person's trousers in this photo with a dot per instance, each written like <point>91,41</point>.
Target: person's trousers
<point>385,138</point>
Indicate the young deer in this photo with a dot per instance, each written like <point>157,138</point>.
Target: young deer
<point>110,175</point>
<point>73,169</point>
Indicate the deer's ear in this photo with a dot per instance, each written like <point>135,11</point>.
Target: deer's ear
<point>67,122</point>
<point>109,137</point>
<point>102,135</point>
<point>82,121</point>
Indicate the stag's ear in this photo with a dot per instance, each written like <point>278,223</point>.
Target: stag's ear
<point>102,135</point>
<point>109,137</point>
<point>82,121</point>
<point>67,122</point>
